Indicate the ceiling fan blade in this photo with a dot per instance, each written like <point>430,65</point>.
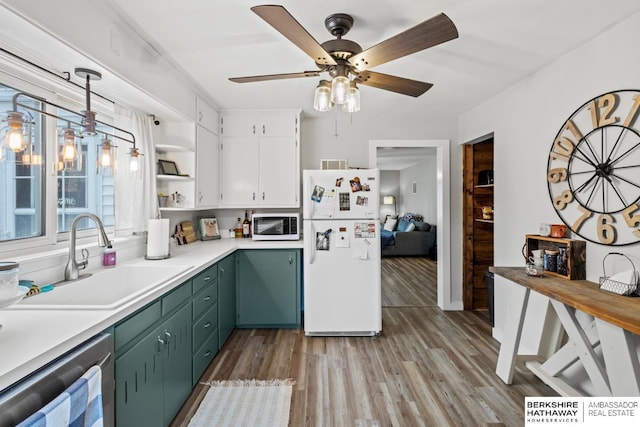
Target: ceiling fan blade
<point>393,83</point>
<point>274,77</point>
<point>431,32</point>
<point>280,19</point>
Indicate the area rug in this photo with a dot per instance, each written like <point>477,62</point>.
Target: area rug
<point>245,403</point>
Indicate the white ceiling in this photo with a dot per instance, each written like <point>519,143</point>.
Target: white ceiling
<point>501,42</point>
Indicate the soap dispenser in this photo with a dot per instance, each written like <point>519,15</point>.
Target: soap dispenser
<point>109,256</point>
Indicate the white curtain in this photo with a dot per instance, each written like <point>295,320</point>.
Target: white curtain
<point>136,198</point>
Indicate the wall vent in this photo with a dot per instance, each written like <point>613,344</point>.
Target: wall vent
<point>333,164</point>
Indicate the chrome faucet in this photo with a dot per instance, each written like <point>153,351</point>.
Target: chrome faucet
<point>72,268</point>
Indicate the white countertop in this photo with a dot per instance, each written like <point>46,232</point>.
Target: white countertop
<point>29,339</point>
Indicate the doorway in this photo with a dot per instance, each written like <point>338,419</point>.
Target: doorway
<point>444,297</point>
<point>477,222</point>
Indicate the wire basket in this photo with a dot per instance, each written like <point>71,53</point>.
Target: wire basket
<point>617,287</point>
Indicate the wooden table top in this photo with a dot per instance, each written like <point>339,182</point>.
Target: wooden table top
<point>582,295</point>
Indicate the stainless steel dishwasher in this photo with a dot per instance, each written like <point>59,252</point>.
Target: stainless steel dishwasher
<point>33,392</point>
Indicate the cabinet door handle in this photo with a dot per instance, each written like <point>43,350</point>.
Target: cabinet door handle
<point>221,270</point>
<point>206,279</point>
<point>206,325</point>
<point>253,195</point>
<point>168,335</point>
<point>161,344</point>
<point>263,195</point>
<point>200,116</point>
<point>254,129</point>
<point>290,260</point>
<point>264,130</point>
<point>207,298</point>
<point>207,354</point>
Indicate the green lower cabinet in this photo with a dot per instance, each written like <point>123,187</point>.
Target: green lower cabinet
<point>268,288</point>
<point>153,361</point>
<point>139,383</point>
<point>226,298</point>
<point>177,362</point>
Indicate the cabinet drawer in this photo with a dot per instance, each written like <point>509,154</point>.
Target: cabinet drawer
<point>207,277</point>
<point>204,327</point>
<point>204,300</point>
<point>134,325</point>
<point>175,298</point>
<point>204,356</point>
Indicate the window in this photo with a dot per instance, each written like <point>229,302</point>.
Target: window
<point>28,193</point>
<point>21,180</point>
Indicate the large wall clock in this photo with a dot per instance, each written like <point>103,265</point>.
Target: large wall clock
<point>593,171</point>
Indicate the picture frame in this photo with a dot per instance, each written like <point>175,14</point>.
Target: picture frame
<point>208,227</point>
<point>168,167</point>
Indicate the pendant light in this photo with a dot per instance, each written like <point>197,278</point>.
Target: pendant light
<point>70,154</point>
<point>106,163</point>
<point>135,165</point>
<point>14,140</point>
<point>69,151</point>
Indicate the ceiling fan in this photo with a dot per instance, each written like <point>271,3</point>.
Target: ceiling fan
<point>342,57</point>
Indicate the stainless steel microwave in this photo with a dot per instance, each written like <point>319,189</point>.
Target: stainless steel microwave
<point>273,226</point>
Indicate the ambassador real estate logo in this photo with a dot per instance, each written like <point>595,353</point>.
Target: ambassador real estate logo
<point>581,411</point>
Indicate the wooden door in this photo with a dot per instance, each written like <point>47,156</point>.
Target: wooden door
<point>478,230</point>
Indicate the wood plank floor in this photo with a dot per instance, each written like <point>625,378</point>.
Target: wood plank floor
<point>428,368</point>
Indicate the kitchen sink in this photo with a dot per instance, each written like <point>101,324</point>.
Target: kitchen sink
<point>104,290</point>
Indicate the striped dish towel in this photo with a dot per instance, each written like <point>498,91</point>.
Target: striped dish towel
<point>80,405</point>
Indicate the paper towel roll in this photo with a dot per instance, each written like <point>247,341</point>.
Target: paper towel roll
<point>158,238</point>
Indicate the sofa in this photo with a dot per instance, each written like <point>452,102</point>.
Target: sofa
<point>408,236</point>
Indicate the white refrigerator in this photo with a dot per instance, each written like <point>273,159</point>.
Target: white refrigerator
<point>342,290</point>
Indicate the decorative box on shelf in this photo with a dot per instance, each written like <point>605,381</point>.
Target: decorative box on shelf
<point>576,254</point>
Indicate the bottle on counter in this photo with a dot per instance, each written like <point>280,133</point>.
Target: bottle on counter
<point>109,256</point>
<point>238,229</point>
<point>245,226</point>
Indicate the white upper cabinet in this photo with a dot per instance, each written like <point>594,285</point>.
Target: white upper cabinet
<point>260,159</point>
<point>207,168</point>
<point>206,115</point>
<point>195,150</point>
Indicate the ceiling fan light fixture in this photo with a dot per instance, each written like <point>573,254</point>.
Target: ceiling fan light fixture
<point>322,96</point>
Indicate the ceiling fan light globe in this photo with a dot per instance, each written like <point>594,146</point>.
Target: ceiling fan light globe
<point>322,97</point>
<point>353,100</point>
<point>340,89</point>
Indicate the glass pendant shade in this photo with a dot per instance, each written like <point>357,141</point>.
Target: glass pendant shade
<point>135,164</point>
<point>353,99</point>
<point>14,140</point>
<point>339,89</point>
<point>106,158</point>
<point>70,155</point>
<point>322,96</point>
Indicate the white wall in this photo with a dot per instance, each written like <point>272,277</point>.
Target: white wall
<point>525,119</point>
<point>423,202</point>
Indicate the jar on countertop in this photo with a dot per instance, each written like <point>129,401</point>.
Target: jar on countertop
<point>8,279</point>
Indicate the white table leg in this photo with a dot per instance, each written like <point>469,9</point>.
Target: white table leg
<point>567,356</point>
<point>516,309</point>
<point>620,358</point>
<point>582,345</point>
